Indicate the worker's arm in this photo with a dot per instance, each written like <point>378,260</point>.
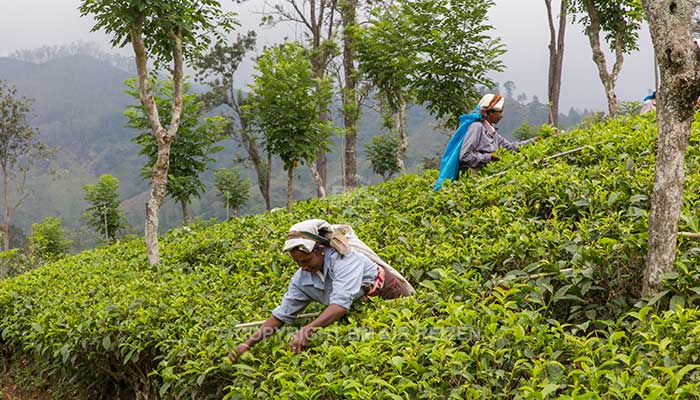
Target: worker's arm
<point>514,146</point>
<point>268,327</point>
<point>331,314</point>
<point>293,302</point>
<point>346,273</point>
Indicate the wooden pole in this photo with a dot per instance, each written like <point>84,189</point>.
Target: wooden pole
<point>690,235</point>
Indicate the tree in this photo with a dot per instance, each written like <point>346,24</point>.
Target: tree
<point>217,70</point>
<point>381,153</point>
<point>48,239</point>
<point>620,21</point>
<point>19,150</point>
<point>351,106</point>
<point>104,214</point>
<point>433,52</point>
<point>190,150</point>
<point>556,58</point>
<point>679,65</point>
<point>315,16</point>
<point>284,107</point>
<point>168,32</point>
<point>233,189</point>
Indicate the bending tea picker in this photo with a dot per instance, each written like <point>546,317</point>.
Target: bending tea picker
<point>476,140</point>
<point>335,269</point>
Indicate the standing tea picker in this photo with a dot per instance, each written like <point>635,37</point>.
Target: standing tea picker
<point>335,268</point>
<point>473,144</point>
<point>648,104</point>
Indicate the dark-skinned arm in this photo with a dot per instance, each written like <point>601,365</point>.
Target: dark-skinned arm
<point>331,314</point>
<point>268,327</point>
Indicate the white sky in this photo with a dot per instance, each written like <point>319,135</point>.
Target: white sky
<point>521,24</point>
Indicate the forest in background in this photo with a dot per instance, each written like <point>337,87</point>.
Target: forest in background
<point>79,98</point>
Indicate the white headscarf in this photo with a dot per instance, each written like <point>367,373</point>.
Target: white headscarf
<point>492,102</point>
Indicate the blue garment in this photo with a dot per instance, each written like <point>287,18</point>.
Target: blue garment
<point>650,97</point>
<point>340,282</point>
<point>449,166</point>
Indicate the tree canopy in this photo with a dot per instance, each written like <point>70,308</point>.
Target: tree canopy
<point>436,52</point>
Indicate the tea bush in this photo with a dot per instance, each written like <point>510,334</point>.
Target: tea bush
<point>528,288</point>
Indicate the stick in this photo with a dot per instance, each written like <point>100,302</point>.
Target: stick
<point>258,323</point>
<point>544,160</point>
<point>689,235</point>
<point>535,276</point>
<point>576,150</point>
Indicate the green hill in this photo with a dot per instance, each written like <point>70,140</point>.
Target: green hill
<point>78,102</point>
<point>527,284</point>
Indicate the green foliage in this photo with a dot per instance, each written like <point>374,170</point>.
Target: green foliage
<point>48,239</point>
<point>198,20</point>
<point>629,108</point>
<point>382,154</point>
<point>527,131</point>
<point>192,149</point>
<point>435,51</point>
<point>103,214</point>
<point>218,67</point>
<point>20,148</point>
<point>620,21</point>
<point>17,261</point>
<point>233,189</point>
<point>285,105</point>
<point>18,139</point>
<point>527,288</point>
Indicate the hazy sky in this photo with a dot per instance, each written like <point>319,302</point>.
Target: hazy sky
<point>521,24</point>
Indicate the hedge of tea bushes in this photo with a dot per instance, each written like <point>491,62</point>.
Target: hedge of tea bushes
<point>528,285</point>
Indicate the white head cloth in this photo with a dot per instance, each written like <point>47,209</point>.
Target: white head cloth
<point>495,102</point>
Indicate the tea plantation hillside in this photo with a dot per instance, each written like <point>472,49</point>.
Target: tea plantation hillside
<point>527,282</point>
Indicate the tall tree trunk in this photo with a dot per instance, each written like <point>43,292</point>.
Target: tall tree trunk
<point>159,176</point>
<point>185,214</point>
<point>401,129</point>
<point>351,108</point>
<point>319,69</point>
<point>290,176</point>
<point>317,178</point>
<point>5,211</point>
<point>679,64</point>
<point>319,13</point>
<point>556,59</point>
<point>251,146</point>
<point>321,167</point>
<point>609,79</point>
<point>268,175</point>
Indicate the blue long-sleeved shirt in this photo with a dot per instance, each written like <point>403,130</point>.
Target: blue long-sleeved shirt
<point>340,282</point>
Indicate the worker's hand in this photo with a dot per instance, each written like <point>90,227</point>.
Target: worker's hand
<point>240,349</point>
<point>494,157</point>
<point>301,338</point>
<point>536,138</point>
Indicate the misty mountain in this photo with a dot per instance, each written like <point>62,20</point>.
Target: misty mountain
<point>78,102</point>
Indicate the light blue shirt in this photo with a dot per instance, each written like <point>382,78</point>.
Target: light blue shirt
<point>340,282</point>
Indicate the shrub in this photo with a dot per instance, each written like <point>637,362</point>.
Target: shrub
<point>527,284</point>
<point>48,240</point>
